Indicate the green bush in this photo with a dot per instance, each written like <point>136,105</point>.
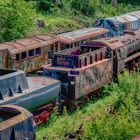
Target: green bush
<point>16,18</point>
<point>86,7</point>
<point>122,122</point>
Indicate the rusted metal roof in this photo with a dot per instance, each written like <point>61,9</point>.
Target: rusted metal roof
<point>129,17</point>
<point>81,34</point>
<point>136,14</point>
<point>22,45</point>
<point>117,42</point>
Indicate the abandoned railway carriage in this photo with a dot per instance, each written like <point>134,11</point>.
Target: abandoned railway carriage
<point>78,37</point>
<point>32,53</point>
<point>116,25</point>
<point>16,123</point>
<point>28,54</point>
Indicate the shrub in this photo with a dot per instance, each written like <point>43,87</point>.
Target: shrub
<point>16,18</point>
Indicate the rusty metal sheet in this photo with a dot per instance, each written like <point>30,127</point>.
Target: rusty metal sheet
<point>82,34</point>
<point>121,41</point>
<point>132,57</point>
<point>125,18</point>
<point>94,77</point>
<point>27,44</point>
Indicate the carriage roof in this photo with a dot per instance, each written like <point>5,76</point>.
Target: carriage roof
<point>81,34</point>
<point>22,45</point>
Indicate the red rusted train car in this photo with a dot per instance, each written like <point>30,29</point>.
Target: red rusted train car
<point>78,37</point>
<point>125,49</point>
<point>28,54</point>
<point>84,69</point>
<point>32,53</point>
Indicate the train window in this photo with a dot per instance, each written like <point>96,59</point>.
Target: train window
<point>56,48</point>
<point>85,61</point>
<point>122,52</point>
<point>96,57</point>
<point>17,57</point>
<point>70,45</point>
<point>91,59</point>
<point>101,56</point>
<point>119,53</point>
<point>31,53</point>
<point>67,46</point>
<point>38,51</point>
<point>23,55</point>
<point>80,64</point>
<point>75,44</point>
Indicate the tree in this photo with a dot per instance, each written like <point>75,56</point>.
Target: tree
<point>16,18</point>
<point>86,7</point>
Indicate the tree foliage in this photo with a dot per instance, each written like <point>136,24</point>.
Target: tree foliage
<point>134,2</point>
<point>16,18</point>
<point>86,7</point>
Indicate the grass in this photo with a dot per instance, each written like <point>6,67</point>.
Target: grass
<point>66,19</point>
<point>116,115</point>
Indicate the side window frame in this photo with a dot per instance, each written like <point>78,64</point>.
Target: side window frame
<point>19,58</point>
<point>23,57</point>
<point>33,53</point>
<point>38,53</point>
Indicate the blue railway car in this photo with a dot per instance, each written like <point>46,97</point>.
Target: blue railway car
<point>16,123</point>
<point>32,92</point>
<point>116,25</point>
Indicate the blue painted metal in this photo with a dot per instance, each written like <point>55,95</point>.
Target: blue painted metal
<point>116,25</point>
<point>36,91</point>
<point>17,123</point>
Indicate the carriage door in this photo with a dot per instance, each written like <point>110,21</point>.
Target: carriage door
<point>3,58</point>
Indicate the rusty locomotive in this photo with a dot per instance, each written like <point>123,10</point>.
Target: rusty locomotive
<point>85,69</point>
<point>31,53</point>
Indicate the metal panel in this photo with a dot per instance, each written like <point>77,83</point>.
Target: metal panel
<point>93,78</point>
<point>18,123</point>
<point>3,58</point>
<point>115,24</point>
<point>82,34</point>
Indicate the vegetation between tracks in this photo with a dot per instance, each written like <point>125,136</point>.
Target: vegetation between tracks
<point>115,115</point>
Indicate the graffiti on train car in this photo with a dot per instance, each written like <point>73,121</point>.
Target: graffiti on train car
<point>66,61</point>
